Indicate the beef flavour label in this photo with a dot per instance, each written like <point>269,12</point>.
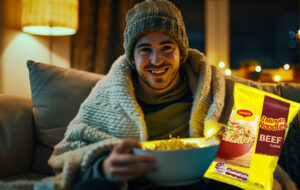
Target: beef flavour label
<point>272,126</point>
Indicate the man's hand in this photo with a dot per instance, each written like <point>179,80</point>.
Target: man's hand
<point>121,165</point>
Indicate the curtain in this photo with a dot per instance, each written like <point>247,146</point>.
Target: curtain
<point>99,40</point>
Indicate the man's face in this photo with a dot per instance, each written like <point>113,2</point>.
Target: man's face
<point>157,61</point>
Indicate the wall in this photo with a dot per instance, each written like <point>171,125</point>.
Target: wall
<point>18,47</point>
<point>1,30</point>
<point>217,31</point>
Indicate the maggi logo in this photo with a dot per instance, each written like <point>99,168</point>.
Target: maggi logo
<point>244,113</point>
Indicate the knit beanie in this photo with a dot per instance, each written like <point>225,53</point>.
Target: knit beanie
<point>154,16</point>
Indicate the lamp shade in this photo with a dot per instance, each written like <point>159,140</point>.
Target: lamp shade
<point>50,17</point>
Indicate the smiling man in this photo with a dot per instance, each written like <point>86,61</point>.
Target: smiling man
<point>157,60</point>
<point>160,87</point>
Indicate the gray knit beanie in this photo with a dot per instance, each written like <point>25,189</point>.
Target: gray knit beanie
<point>154,16</point>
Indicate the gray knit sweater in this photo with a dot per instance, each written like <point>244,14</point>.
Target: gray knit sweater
<point>111,113</point>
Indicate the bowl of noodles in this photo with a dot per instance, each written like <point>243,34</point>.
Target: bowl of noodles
<point>237,140</point>
<point>180,161</point>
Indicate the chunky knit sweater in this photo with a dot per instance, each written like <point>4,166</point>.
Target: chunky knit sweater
<point>111,113</point>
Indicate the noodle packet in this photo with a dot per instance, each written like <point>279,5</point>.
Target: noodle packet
<point>253,139</point>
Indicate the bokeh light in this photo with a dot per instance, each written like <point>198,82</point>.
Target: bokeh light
<point>258,68</point>
<point>228,72</point>
<point>286,67</point>
<point>221,64</point>
<point>277,78</point>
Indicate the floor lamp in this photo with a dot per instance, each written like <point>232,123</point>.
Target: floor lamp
<point>50,18</point>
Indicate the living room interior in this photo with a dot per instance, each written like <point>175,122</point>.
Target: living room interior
<point>252,39</point>
<point>242,39</point>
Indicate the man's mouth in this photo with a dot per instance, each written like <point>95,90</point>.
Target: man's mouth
<point>158,71</point>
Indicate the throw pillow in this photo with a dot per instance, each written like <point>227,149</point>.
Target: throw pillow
<point>56,97</point>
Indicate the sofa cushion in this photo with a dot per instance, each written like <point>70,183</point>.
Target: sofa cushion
<point>41,155</point>
<point>56,96</point>
<point>25,176</point>
<point>16,135</point>
<point>289,158</point>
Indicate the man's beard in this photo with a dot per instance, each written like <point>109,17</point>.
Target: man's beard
<point>144,79</point>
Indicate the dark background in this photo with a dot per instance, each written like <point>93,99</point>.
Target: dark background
<point>262,30</point>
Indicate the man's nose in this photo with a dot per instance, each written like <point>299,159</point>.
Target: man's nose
<point>156,57</point>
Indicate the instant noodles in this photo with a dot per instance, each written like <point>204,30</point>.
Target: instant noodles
<point>171,144</point>
<point>253,139</point>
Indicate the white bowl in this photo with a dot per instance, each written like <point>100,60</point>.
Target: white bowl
<point>181,167</point>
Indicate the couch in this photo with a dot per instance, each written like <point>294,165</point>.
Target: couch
<point>30,128</point>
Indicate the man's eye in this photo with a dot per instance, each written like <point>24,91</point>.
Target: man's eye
<point>145,50</point>
<point>167,48</point>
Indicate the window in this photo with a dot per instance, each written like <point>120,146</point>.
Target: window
<point>264,31</point>
<point>193,16</point>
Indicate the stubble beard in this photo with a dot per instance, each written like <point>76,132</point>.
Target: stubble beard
<point>159,80</point>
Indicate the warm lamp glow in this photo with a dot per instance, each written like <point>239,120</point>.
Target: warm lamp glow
<point>49,31</point>
<point>50,17</point>
<point>298,34</point>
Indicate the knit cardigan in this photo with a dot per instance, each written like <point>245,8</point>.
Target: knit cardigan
<point>111,113</point>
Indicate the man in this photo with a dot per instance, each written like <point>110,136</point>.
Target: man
<point>160,87</point>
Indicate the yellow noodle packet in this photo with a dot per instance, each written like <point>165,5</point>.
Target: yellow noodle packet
<point>253,139</point>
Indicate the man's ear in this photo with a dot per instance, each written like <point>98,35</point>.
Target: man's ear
<point>181,63</point>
